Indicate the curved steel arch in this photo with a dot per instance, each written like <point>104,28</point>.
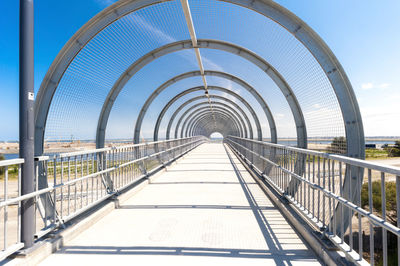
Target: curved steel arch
<point>166,107</point>
<point>299,29</point>
<point>201,88</point>
<point>224,105</point>
<point>190,74</point>
<point>204,125</point>
<point>222,122</point>
<point>216,110</point>
<point>248,106</point>
<point>206,130</point>
<point>208,127</point>
<point>204,113</point>
<point>171,120</point>
<point>205,122</point>
<point>194,114</point>
<point>209,44</point>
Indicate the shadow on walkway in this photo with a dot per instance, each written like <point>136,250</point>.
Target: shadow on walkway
<point>275,252</point>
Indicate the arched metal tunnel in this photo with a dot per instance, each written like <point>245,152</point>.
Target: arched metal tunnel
<point>86,43</point>
<point>151,69</point>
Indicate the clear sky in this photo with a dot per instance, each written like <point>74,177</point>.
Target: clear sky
<point>362,34</point>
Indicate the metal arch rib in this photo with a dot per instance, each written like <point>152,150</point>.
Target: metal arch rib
<point>209,44</point>
<point>189,128</point>
<point>248,106</point>
<point>68,53</point>
<point>230,112</point>
<point>171,120</point>
<point>203,124</point>
<point>190,74</point>
<point>206,109</point>
<point>256,95</point>
<point>215,103</point>
<point>207,120</point>
<point>197,113</point>
<point>206,129</point>
<point>328,62</point>
<point>301,31</point>
<point>166,107</point>
<point>207,116</point>
<point>173,100</point>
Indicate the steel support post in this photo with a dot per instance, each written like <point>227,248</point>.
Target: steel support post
<point>26,119</point>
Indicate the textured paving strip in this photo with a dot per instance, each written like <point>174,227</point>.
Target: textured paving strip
<point>205,210</point>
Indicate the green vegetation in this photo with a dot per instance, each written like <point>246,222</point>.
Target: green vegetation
<point>391,216</point>
<point>338,145</point>
<point>390,188</point>
<point>12,170</point>
<point>376,153</point>
<point>2,168</point>
<point>393,151</point>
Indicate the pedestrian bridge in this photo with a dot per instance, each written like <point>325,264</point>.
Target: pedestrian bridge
<point>206,209</point>
<point>116,163</point>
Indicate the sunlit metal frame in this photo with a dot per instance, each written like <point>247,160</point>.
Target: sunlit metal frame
<point>240,114</point>
<point>173,116</point>
<point>214,109</point>
<point>207,44</point>
<point>178,96</point>
<point>269,9</point>
<point>223,126</point>
<point>190,74</point>
<point>229,92</point>
<point>299,29</point>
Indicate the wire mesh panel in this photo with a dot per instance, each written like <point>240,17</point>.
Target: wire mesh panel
<point>115,47</point>
<point>282,50</point>
<point>87,81</point>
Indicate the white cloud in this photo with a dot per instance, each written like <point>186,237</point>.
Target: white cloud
<point>367,86</point>
<point>384,86</point>
<point>381,120</point>
<point>370,85</point>
<point>163,37</point>
<point>149,27</point>
<point>106,2</point>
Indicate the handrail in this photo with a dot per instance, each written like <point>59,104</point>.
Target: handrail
<point>315,184</point>
<point>86,178</point>
<point>344,159</point>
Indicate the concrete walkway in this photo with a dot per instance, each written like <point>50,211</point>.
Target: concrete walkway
<point>205,210</point>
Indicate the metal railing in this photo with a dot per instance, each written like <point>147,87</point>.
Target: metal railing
<point>69,184</point>
<point>351,201</point>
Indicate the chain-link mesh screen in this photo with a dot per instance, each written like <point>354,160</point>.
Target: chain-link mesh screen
<point>84,86</point>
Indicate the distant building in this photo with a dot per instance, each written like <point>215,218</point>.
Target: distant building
<point>370,146</point>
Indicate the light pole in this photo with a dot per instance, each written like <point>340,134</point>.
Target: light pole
<point>26,119</point>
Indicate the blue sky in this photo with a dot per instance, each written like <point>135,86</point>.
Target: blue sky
<point>363,35</point>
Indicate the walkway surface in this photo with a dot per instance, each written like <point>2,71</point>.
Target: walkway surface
<point>205,210</point>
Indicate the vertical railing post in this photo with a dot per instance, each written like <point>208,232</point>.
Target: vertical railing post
<point>26,118</point>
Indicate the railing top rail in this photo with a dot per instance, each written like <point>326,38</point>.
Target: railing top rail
<point>352,161</point>
<point>78,153</point>
<point>42,158</point>
<point>11,162</point>
<point>110,169</point>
